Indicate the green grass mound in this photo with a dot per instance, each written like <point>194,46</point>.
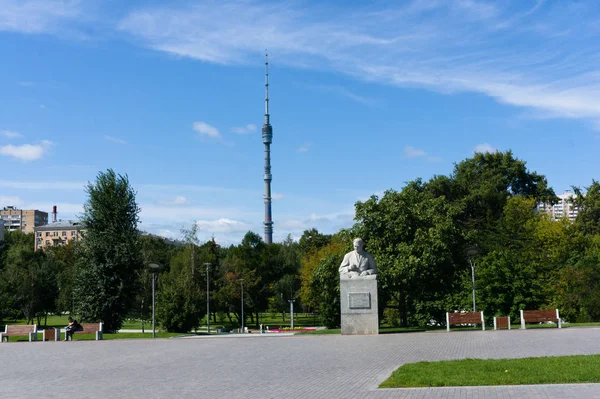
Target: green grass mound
<point>478,372</point>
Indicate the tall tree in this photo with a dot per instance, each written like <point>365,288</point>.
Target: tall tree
<point>109,256</point>
<point>588,218</point>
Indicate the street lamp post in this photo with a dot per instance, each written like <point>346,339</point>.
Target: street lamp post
<point>291,301</point>
<point>471,252</point>
<point>242,283</point>
<point>154,269</point>
<point>207,264</point>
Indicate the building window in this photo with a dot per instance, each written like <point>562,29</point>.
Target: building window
<point>55,233</point>
<point>47,242</point>
<point>47,234</point>
<point>64,234</point>
<point>73,233</point>
<point>39,234</point>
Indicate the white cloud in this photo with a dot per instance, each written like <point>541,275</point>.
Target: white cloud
<point>178,200</point>
<point>305,147</point>
<point>42,106</point>
<point>26,152</point>
<point>26,84</point>
<point>277,196</point>
<point>484,147</point>
<point>497,49</point>
<point>249,128</point>
<point>10,135</point>
<point>342,91</point>
<point>36,16</point>
<point>115,139</point>
<point>411,152</point>
<point>222,226</point>
<point>204,129</point>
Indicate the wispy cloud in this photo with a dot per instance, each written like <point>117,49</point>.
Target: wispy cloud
<point>36,16</point>
<point>412,152</point>
<point>222,226</point>
<point>341,91</point>
<point>10,200</point>
<point>249,128</point>
<point>42,185</point>
<point>115,140</point>
<point>204,129</point>
<point>277,196</point>
<point>178,200</point>
<point>503,50</point>
<point>484,147</point>
<point>11,135</point>
<point>26,152</point>
<point>25,83</point>
<point>305,147</point>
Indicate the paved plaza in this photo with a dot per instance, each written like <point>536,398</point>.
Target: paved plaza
<point>309,366</point>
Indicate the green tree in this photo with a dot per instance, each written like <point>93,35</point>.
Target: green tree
<point>588,217</point>
<point>109,257</point>
<point>416,242</point>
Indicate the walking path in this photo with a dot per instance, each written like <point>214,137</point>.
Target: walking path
<point>308,366</point>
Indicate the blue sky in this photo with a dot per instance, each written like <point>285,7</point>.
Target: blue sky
<point>364,97</point>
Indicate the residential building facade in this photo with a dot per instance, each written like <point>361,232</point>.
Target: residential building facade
<point>23,220</point>
<point>58,233</point>
<point>564,208</point>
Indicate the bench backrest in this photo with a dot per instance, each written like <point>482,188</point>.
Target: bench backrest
<point>20,330</point>
<point>535,316</point>
<point>89,328</point>
<point>464,318</point>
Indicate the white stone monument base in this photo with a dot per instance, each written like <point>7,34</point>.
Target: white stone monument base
<point>359,305</point>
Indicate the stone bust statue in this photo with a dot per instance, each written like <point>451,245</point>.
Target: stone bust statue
<point>358,263</point>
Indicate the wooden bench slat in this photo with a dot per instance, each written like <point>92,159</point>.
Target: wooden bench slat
<point>456,318</point>
<point>19,330</point>
<point>539,316</point>
<point>90,328</point>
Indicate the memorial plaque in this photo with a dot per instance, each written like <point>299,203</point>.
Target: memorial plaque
<point>359,300</point>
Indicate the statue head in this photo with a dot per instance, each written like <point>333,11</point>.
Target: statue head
<point>359,244</point>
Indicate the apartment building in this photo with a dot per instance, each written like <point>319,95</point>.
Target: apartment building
<point>24,220</point>
<point>564,208</point>
<point>58,233</point>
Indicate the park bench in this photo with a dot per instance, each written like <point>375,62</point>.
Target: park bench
<point>539,316</point>
<point>461,318</point>
<point>20,331</point>
<point>51,334</point>
<point>501,322</point>
<point>90,328</point>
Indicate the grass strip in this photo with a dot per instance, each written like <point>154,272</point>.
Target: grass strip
<point>478,372</point>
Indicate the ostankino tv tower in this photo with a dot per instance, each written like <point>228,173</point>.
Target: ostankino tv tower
<point>267,136</point>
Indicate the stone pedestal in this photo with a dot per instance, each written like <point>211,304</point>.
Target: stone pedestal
<point>359,305</point>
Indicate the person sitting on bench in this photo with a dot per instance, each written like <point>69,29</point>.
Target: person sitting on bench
<point>71,328</point>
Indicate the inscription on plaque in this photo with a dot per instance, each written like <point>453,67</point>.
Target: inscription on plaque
<point>359,300</point>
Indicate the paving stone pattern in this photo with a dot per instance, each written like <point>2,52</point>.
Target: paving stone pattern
<point>310,366</point>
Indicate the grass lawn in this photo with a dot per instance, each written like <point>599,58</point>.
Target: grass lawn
<point>273,320</point>
<point>476,372</point>
<point>105,336</point>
